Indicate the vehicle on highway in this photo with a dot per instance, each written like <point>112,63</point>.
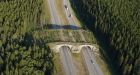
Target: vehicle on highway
<point>66,7</point>
<point>70,15</point>
<point>92,62</point>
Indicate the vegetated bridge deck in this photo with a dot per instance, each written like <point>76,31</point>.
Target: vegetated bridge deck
<point>72,39</point>
<point>54,35</point>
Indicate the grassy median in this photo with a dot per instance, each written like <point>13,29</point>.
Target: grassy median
<point>78,62</point>
<point>57,65</point>
<point>46,16</point>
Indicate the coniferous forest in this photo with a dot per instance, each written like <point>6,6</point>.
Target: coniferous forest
<point>22,52</point>
<point>117,24</point>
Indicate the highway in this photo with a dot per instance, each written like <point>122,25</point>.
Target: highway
<point>68,12</point>
<point>65,54</point>
<point>67,61</point>
<point>54,14</point>
<point>90,62</point>
<point>71,19</point>
<point>55,19</point>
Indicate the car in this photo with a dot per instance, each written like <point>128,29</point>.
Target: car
<point>66,7</point>
<point>92,62</point>
<point>70,15</point>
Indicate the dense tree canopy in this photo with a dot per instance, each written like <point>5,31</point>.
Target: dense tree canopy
<point>21,51</point>
<point>118,22</point>
<point>26,56</point>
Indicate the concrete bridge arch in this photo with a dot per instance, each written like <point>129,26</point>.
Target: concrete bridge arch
<point>74,48</point>
<point>57,47</point>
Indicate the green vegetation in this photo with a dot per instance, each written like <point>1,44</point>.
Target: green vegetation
<point>45,14</point>
<point>26,56</point>
<point>89,36</point>
<point>22,51</point>
<point>52,35</point>
<point>75,35</point>
<point>66,33</point>
<point>80,65</point>
<point>116,24</point>
<point>61,13</point>
<point>58,70</point>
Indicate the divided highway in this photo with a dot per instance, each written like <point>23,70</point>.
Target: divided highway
<point>71,17</point>
<point>69,13</point>
<point>65,55</point>
<point>54,14</point>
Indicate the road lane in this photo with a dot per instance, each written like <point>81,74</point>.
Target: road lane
<point>68,12</point>
<point>55,19</point>
<point>65,55</point>
<point>67,61</point>
<point>71,19</point>
<point>54,14</point>
<point>90,62</point>
<point>92,66</point>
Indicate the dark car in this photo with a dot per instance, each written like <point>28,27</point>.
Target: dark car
<point>70,15</point>
<point>66,7</point>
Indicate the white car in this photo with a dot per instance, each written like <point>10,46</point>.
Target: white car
<point>70,15</point>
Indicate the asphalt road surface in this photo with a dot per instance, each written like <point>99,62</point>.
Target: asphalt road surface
<point>71,19</point>
<point>65,55</point>
<point>54,14</point>
<point>67,61</point>
<point>90,62</point>
<point>69,12</point>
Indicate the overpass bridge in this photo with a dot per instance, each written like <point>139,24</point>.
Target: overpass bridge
<point>66,48</point>
<point>73,47</point>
